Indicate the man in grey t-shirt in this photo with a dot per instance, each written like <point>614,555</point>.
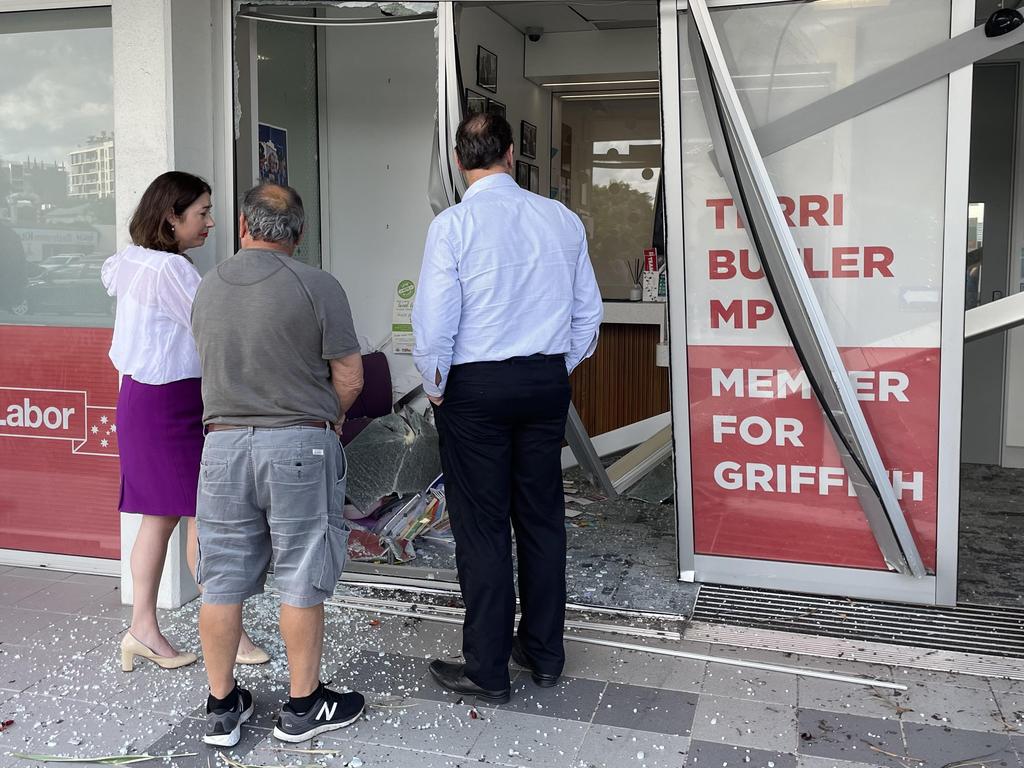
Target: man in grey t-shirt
<point>281,366</point>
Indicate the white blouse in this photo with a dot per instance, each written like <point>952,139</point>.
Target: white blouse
<point>153,327</point>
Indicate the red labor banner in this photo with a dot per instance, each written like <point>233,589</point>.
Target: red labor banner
<point>58,442</point>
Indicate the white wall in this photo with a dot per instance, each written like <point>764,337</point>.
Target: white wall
<point>615,54</point>
<point>523,99</point>
<point>380,102</point>
<point>163,122</point>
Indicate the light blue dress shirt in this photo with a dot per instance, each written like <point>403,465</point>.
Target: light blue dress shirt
<point>506,273</point>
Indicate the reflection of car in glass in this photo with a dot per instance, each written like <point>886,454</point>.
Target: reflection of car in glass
<point>70,290</point>
<point>60,260</point>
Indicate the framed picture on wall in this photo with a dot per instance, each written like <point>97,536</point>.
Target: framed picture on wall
<point>535,179</point>
<point>527,139</point>
<point>566,150</point>
<point>273,153</point>
<point>523,174</point>
<point>486,69</point>
<point>496,107</point>
<point>475,103</point>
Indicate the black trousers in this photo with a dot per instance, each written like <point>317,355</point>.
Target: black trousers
<point>501,427</point>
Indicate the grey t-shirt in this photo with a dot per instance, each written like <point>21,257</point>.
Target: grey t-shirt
<point>266,326</point>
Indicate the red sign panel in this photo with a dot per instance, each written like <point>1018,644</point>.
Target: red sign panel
<point>59,477</point>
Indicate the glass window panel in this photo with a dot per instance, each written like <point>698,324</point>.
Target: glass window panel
<point>58,436</point>
<point>865,202</point>
<point>613,180</point>
<point>56,167</point>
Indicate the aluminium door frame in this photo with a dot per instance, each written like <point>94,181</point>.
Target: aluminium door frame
<point>853,582</point>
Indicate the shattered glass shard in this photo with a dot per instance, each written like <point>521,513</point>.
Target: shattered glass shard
<point>397,453</point>
<point>657,487</point>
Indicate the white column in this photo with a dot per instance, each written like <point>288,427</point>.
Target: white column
<point>164,84</point>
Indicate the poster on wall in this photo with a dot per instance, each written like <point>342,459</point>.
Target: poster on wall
<point>273,154</point>
<point>865,203</point>
<point>58,442</point>
<point>402,339</point>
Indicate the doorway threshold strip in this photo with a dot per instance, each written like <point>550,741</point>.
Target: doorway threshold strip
<point>429,587</point>
<point>402,609</point>
<point>982,631</point>
<point>418,608</point>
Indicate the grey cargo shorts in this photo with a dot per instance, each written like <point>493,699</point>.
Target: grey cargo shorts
<point>271,493</point>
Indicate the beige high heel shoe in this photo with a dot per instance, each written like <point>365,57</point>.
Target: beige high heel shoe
<point>256,656</point>
<point>131,647</point>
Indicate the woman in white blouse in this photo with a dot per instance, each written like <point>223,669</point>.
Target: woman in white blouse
<point>160,406</point>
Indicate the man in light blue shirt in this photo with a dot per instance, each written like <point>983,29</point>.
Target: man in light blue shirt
<point>507,305</point>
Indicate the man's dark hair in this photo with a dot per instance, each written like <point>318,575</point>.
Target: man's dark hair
<point>274,213</point>
<point>482,140</point>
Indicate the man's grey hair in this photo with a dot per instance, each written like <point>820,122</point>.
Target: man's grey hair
<point>274,213</point>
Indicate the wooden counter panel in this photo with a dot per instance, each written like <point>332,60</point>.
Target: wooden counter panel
<point>620,384</point>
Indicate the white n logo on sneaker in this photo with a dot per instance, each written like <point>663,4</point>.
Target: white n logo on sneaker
<point>327,711</point>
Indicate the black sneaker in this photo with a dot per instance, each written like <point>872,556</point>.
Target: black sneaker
<point>331,711</point>
<point>224,726</point>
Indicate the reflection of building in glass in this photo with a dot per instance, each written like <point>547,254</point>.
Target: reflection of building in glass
<point>28,187</point>
<point>91,169</point>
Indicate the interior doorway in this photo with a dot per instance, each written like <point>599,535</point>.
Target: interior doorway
<point>343,104</point>
<point>992,482</point>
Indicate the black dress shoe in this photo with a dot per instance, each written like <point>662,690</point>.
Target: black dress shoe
<point>520,658</point>
<point>453,677</point>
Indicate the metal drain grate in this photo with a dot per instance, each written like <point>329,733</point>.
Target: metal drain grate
<point>966,629</point>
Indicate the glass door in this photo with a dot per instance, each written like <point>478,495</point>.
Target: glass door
<point>815,379</point>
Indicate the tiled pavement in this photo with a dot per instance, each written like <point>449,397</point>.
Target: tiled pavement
<point>61,683</point>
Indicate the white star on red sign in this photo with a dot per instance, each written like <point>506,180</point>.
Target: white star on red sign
<point>104,443</point>
<point>104,419</point>
<point>95,430</point>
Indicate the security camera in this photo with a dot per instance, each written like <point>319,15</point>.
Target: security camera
<point>533,34</point>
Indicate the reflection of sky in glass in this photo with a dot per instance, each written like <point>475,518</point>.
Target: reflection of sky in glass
<point>56,91</point>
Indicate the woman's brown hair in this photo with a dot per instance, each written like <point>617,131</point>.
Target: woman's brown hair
<point>173,191</point>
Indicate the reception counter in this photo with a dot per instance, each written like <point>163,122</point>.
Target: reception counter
<point>622,382</point>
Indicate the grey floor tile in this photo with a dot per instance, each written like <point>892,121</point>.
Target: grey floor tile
<point>187,736</point>
<point>807,761</point>
<point>962,708</point>
<point>833,696</point>
<point>20,624</point>
<point>111,582</point>
<point>372,755</point>
<point>574,698</point>
<point>73,634</point>
<point>15,589</point>
<point>606,746</point>
<point>938,746</point>
<point>66,597</point>
<point>753,684</point>
<point>707,754</point>
<point>633,667</point>
<point>97,677</point>
<point>1009,695</point>
<point>514,738</point>
<point>647,709</point>
<point>421,725</point>
<point>851,737</point>
<point>907,675</point>
<point>69,728</point>
<point>863,669</point>
<point>41,574</point>
<point>771,727</point>
<point>383,673</point>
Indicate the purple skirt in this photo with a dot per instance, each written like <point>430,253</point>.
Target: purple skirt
<point>160,439</point>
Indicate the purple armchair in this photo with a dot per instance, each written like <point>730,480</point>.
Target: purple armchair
<point>374,401</point>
